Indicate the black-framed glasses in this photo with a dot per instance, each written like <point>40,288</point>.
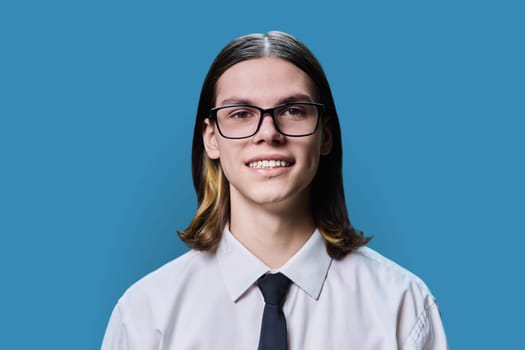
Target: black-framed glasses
<point>293,119</point>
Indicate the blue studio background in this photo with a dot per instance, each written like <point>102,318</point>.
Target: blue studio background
<point>97,103</point>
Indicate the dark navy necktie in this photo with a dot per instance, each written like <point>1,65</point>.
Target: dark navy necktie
<point>273,330</point>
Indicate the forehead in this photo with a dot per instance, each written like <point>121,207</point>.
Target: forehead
<point>263,81</point>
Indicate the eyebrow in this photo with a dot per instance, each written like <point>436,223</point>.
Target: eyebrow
<point>292,98</point>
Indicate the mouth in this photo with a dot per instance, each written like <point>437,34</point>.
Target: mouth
<point>269,164</point>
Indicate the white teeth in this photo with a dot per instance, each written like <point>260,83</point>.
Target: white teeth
<point>269,164</point>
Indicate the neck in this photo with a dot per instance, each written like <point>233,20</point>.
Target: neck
<point>272,234</point>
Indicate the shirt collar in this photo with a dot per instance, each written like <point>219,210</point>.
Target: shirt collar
<point>241,269</point>
<point>309,266</point>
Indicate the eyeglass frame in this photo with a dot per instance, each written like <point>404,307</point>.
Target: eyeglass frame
<point>320,109</point>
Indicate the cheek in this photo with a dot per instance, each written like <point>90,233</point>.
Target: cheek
<point>227,170</point>
<point>229,160</point>
<point>313,151</point>
<point>310,153</point>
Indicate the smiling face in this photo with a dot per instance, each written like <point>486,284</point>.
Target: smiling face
<point>267,169</point>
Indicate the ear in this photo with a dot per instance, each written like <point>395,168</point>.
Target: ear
<point>326,140</point>
<point>209,138</point>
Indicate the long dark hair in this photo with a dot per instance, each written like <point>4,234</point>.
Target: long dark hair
<point>327,194</point>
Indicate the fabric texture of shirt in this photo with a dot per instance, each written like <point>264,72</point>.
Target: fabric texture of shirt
<point>211,301</point>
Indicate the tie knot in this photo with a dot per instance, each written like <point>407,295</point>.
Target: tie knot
<point>274,287</point>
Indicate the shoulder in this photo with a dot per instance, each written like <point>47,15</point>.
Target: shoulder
<point>375,270</point>
<point>146,308</point>
<point>168,282</point>
<point>396,291</point>
<point>385,278</point>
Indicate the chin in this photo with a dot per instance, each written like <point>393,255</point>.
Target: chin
<point>268,199</point>
<point>276,200</point>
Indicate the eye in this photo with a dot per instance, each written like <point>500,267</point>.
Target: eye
<point>238,113</point>
<point>293,111</point>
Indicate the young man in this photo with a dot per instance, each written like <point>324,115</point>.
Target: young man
<point>275,262</point>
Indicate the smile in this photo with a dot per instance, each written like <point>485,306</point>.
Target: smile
<point>261,164</point>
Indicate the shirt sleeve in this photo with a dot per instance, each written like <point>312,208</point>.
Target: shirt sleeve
<point>428,332</point>
<point>115,337</point>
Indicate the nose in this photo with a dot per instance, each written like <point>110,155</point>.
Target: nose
<point>268,131</point>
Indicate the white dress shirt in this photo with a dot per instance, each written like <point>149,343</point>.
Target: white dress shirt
<point>211,301</point>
